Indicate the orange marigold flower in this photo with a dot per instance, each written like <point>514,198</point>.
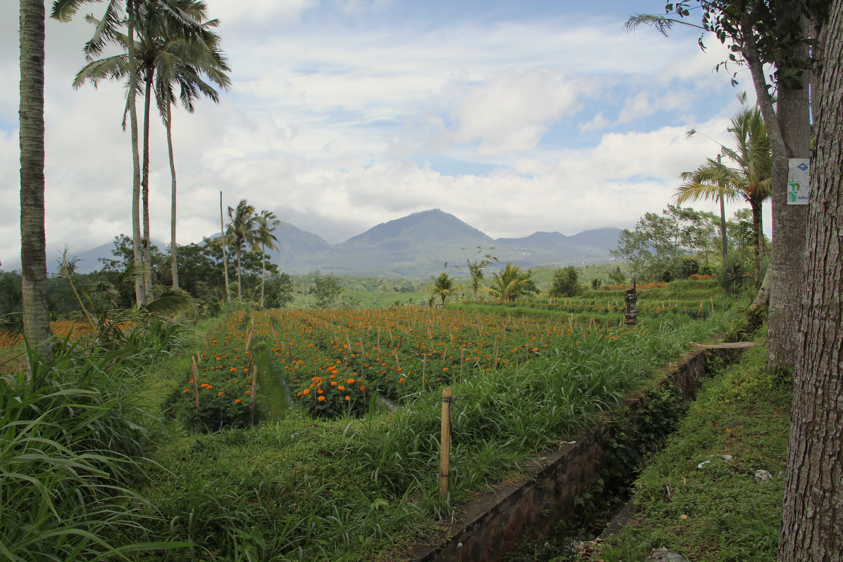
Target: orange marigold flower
<point>348,398</point>
<point>401,379</point>
<point>321,398</point>
<point>340,388</point>
<point>187,390</point>
<point>350,381</point>
<point>232,369</point>
<point>237,401</point>
<point>306,391</point>
<point>334,383</point>
<point>320,391</point>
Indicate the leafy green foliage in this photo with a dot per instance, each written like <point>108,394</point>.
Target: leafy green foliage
<point>442,287</point>
<point>279,291</point>
<point>326,289</point>
<point>511,283</point>
<point>565,283</point>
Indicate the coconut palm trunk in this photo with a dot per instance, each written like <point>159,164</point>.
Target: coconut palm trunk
<point>224,254</point>
<point>263,273</point>
<point>173,248</point>
<point>140,289</point>
<point>239,281</point>
<point>33,238</point>
<point>147,254</point>
<point>724,244</point>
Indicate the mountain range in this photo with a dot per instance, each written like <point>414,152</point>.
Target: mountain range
<point>417,246</point>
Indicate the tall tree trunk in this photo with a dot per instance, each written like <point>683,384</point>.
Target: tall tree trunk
<point>789,132</point>
<point>36,318</point>
<point>789,230</point>
<point>140,289</point>
<point>724,244</point>
<point>756,250</point>
<point>263,278</point>
<point>812,517</point>
<point>147,242</point>
<point>239,282</point>
<point>722,198</point>
<point>173,247</point>
<point>224,257</point>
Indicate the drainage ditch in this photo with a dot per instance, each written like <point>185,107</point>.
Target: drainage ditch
<point>578,490</point>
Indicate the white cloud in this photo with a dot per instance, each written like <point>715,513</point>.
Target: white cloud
<point>259,13</point>
<point>323,118</point>
<point>599,122</point>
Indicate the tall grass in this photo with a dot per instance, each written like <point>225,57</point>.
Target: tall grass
<point>70,437</point>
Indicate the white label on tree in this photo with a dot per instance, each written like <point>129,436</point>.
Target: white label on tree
<point>797,181</point>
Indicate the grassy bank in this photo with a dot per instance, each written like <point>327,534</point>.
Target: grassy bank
<point>699,497</point>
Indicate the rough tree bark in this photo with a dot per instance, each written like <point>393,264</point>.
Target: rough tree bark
<point>789,221</point>
<point>789,131</point>
<point>33,236</point>
<point>812,518</point>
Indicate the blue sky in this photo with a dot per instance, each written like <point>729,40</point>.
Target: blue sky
<point>515,117</point>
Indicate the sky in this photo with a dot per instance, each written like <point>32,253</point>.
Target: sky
<point>515,117</point>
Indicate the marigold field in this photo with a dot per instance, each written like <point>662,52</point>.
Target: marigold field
<point>332,362</point>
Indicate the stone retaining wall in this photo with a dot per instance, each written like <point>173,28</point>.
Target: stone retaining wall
<point>494,523</point>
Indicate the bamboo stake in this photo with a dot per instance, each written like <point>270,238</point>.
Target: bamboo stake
<point>712,304</point>
<point>362,349</point>
<point>254,387</point>
<point>195,372</point>
<point>462,360</point>
<point>445,454</point>
<point>397,363</point>
<point>424,365</point>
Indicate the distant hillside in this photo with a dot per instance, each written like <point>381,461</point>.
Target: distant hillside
<point>417,246</point>
<point>295,243</point>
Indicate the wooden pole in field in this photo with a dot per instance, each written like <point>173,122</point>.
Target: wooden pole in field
<point>712,304</point>
<point>195,373</point>
<point>445,454</point>
<point>462,360</point>
<point>254,388</point>
<point>362,349</point>
<point>397,363</point>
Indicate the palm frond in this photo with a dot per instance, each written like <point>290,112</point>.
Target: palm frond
<point>170,301</point>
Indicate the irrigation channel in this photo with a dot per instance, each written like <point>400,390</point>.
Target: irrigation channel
<point>548,499</point>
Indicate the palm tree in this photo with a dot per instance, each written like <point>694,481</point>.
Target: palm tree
<point>475,268</point>
<point>36,320</point>
<point>267,223</point>
<point>442,286</point>
<point>182,65</point>
<point>751,181</point>
<point>64,10</point>
<point>243,228</point>
<point>509,284</point>
<point>160,24</point>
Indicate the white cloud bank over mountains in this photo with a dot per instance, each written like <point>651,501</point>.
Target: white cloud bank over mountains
<point>339,125</point>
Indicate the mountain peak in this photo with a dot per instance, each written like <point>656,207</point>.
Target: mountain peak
<point>432,225</point>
